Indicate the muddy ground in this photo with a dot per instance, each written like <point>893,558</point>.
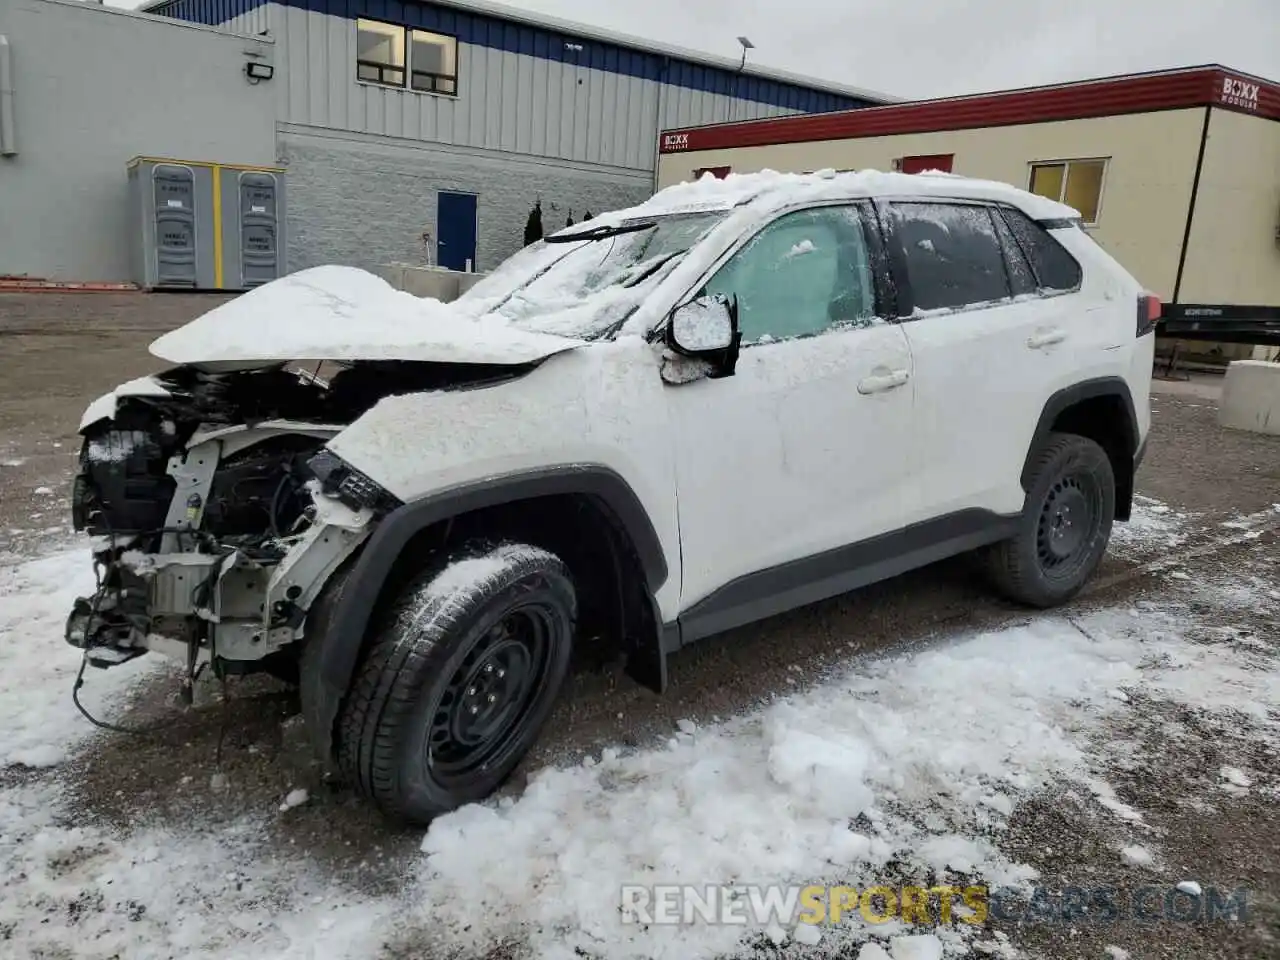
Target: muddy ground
<point>63,350</point>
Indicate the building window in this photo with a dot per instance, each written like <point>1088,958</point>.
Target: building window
<point>1077,183</point>
<point>380,53</point>
<point>433,62</point>
<point>718,172</point>
<point>399,56</point>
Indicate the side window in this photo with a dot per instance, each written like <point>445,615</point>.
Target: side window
<point>1022,279</point>
<point>953,254</point>
<point>805,272</point>
<point>1054,267</point>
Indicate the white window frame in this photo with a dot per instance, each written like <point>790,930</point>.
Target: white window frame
<point>406,83</point>
<point>1066,162</point>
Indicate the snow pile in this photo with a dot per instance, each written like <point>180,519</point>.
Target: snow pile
<point>1153,526</point>
<point>37,667</point>
<point>469,573</point>
<point>343,313</point>
<point>77,891</point>
<point>813,787</point>
<point>69,889</point>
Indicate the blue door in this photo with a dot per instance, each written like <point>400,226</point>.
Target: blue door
<point>456,226</point>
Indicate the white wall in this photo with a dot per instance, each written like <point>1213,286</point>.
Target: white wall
<point>1233,253</point>
<point>1151,161</point>
<point>95,86</point>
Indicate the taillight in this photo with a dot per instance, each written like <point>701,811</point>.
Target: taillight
<point>1149,309</point>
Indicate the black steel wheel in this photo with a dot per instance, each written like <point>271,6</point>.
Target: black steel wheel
<point>1065,526</point>
<point>459,681</point>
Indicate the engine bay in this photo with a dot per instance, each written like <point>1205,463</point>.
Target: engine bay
<point>203,496</point>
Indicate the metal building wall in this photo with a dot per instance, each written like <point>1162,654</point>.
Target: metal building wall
<point>506,101</point>
<point>79,73</point>
<point>522,88</point>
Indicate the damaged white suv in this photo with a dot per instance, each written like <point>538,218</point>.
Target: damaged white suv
<point>742,396</point>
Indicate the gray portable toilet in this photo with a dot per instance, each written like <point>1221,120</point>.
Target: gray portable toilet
<point>174,239</point>
<point>253,234</point>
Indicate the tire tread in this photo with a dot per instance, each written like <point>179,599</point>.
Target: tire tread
<point>412,642</point>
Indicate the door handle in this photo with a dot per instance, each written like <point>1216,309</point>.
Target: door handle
<point>1046,338</point>
<point>880,382</point>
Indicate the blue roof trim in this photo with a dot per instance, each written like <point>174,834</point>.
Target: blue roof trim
<point>487,31</point>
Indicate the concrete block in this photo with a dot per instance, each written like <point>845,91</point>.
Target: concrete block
<point>468,280</point>
<point>1251,397</point>
<point>431,282</point>
<point>435,282</point>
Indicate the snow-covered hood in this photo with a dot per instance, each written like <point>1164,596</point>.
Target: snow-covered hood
<point>343,313</point>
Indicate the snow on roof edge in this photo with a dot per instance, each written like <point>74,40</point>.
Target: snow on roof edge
<point>771,189</point>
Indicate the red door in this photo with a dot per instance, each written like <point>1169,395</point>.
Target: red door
<point>935,161</point>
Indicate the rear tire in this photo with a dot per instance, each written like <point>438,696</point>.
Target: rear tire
<point>1065,526</point>
<point>457,684</point>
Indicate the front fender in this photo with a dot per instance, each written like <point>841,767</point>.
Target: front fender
<point>337,624</point>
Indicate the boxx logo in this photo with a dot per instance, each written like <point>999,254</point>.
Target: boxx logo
<point>1240,93</point>
<point>675,141</point>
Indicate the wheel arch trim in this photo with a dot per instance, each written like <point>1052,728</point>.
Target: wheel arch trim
<point>1068,397</point>
<point>341,623</point>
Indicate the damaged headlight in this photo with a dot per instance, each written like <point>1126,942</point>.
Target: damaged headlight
<point>347,485</point>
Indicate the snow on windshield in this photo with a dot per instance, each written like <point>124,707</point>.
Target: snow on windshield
<point>597,284</point>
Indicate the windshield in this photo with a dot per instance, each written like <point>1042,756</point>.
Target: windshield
<point>587,288</point>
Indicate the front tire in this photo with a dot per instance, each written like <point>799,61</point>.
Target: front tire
<point>1065,526</point>
<point>457,684</point>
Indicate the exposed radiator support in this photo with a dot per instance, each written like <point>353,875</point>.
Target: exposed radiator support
<point>8,135</point>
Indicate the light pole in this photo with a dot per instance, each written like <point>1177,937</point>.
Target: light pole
<point>746,45</point>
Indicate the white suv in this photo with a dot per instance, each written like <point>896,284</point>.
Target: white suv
<point>739,397</point>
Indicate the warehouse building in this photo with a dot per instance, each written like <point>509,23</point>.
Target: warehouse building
<point>407,132</point>
<point>83,90</point>
<point>1176,173</point>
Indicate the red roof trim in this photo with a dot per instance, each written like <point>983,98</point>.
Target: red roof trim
<point>1198,87</point>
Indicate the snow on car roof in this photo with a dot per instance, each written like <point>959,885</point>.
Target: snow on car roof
<point>769,188</point>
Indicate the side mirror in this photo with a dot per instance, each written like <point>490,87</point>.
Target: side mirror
<point>707,329</point>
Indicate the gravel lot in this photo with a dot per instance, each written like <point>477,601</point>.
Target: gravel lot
<point>63,350</point>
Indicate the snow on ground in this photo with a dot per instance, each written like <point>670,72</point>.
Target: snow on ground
<point>931,748</point>
<point>895,767</point>
<point>70,889</point>
<point>37,667</point>
<point>1154,526</point>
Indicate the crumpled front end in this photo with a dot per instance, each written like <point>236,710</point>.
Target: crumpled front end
<point>211,539</point>
<point>218,513</point>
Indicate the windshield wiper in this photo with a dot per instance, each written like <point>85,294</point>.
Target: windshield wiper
<point>649,269</point>
<point>600,233</point>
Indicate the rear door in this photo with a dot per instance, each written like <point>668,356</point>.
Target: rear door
<point>989,347</point>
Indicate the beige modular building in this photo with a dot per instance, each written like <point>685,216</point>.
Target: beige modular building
<point>1176,173</point>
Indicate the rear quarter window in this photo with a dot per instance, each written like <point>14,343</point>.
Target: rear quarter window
<point>1055,269</point>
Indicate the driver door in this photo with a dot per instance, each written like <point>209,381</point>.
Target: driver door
<point>801,452</point>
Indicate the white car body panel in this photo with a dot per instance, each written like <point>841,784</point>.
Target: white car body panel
<point>601,405</point>
<point>786,458</point>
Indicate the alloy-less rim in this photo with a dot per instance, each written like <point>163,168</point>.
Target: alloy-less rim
<point>1067,524</point>
<point>479,716</point>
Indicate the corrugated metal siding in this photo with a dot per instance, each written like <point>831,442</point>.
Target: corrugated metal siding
<point>253,23</point>
<point>507,101</point>
<point>503,36</point>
